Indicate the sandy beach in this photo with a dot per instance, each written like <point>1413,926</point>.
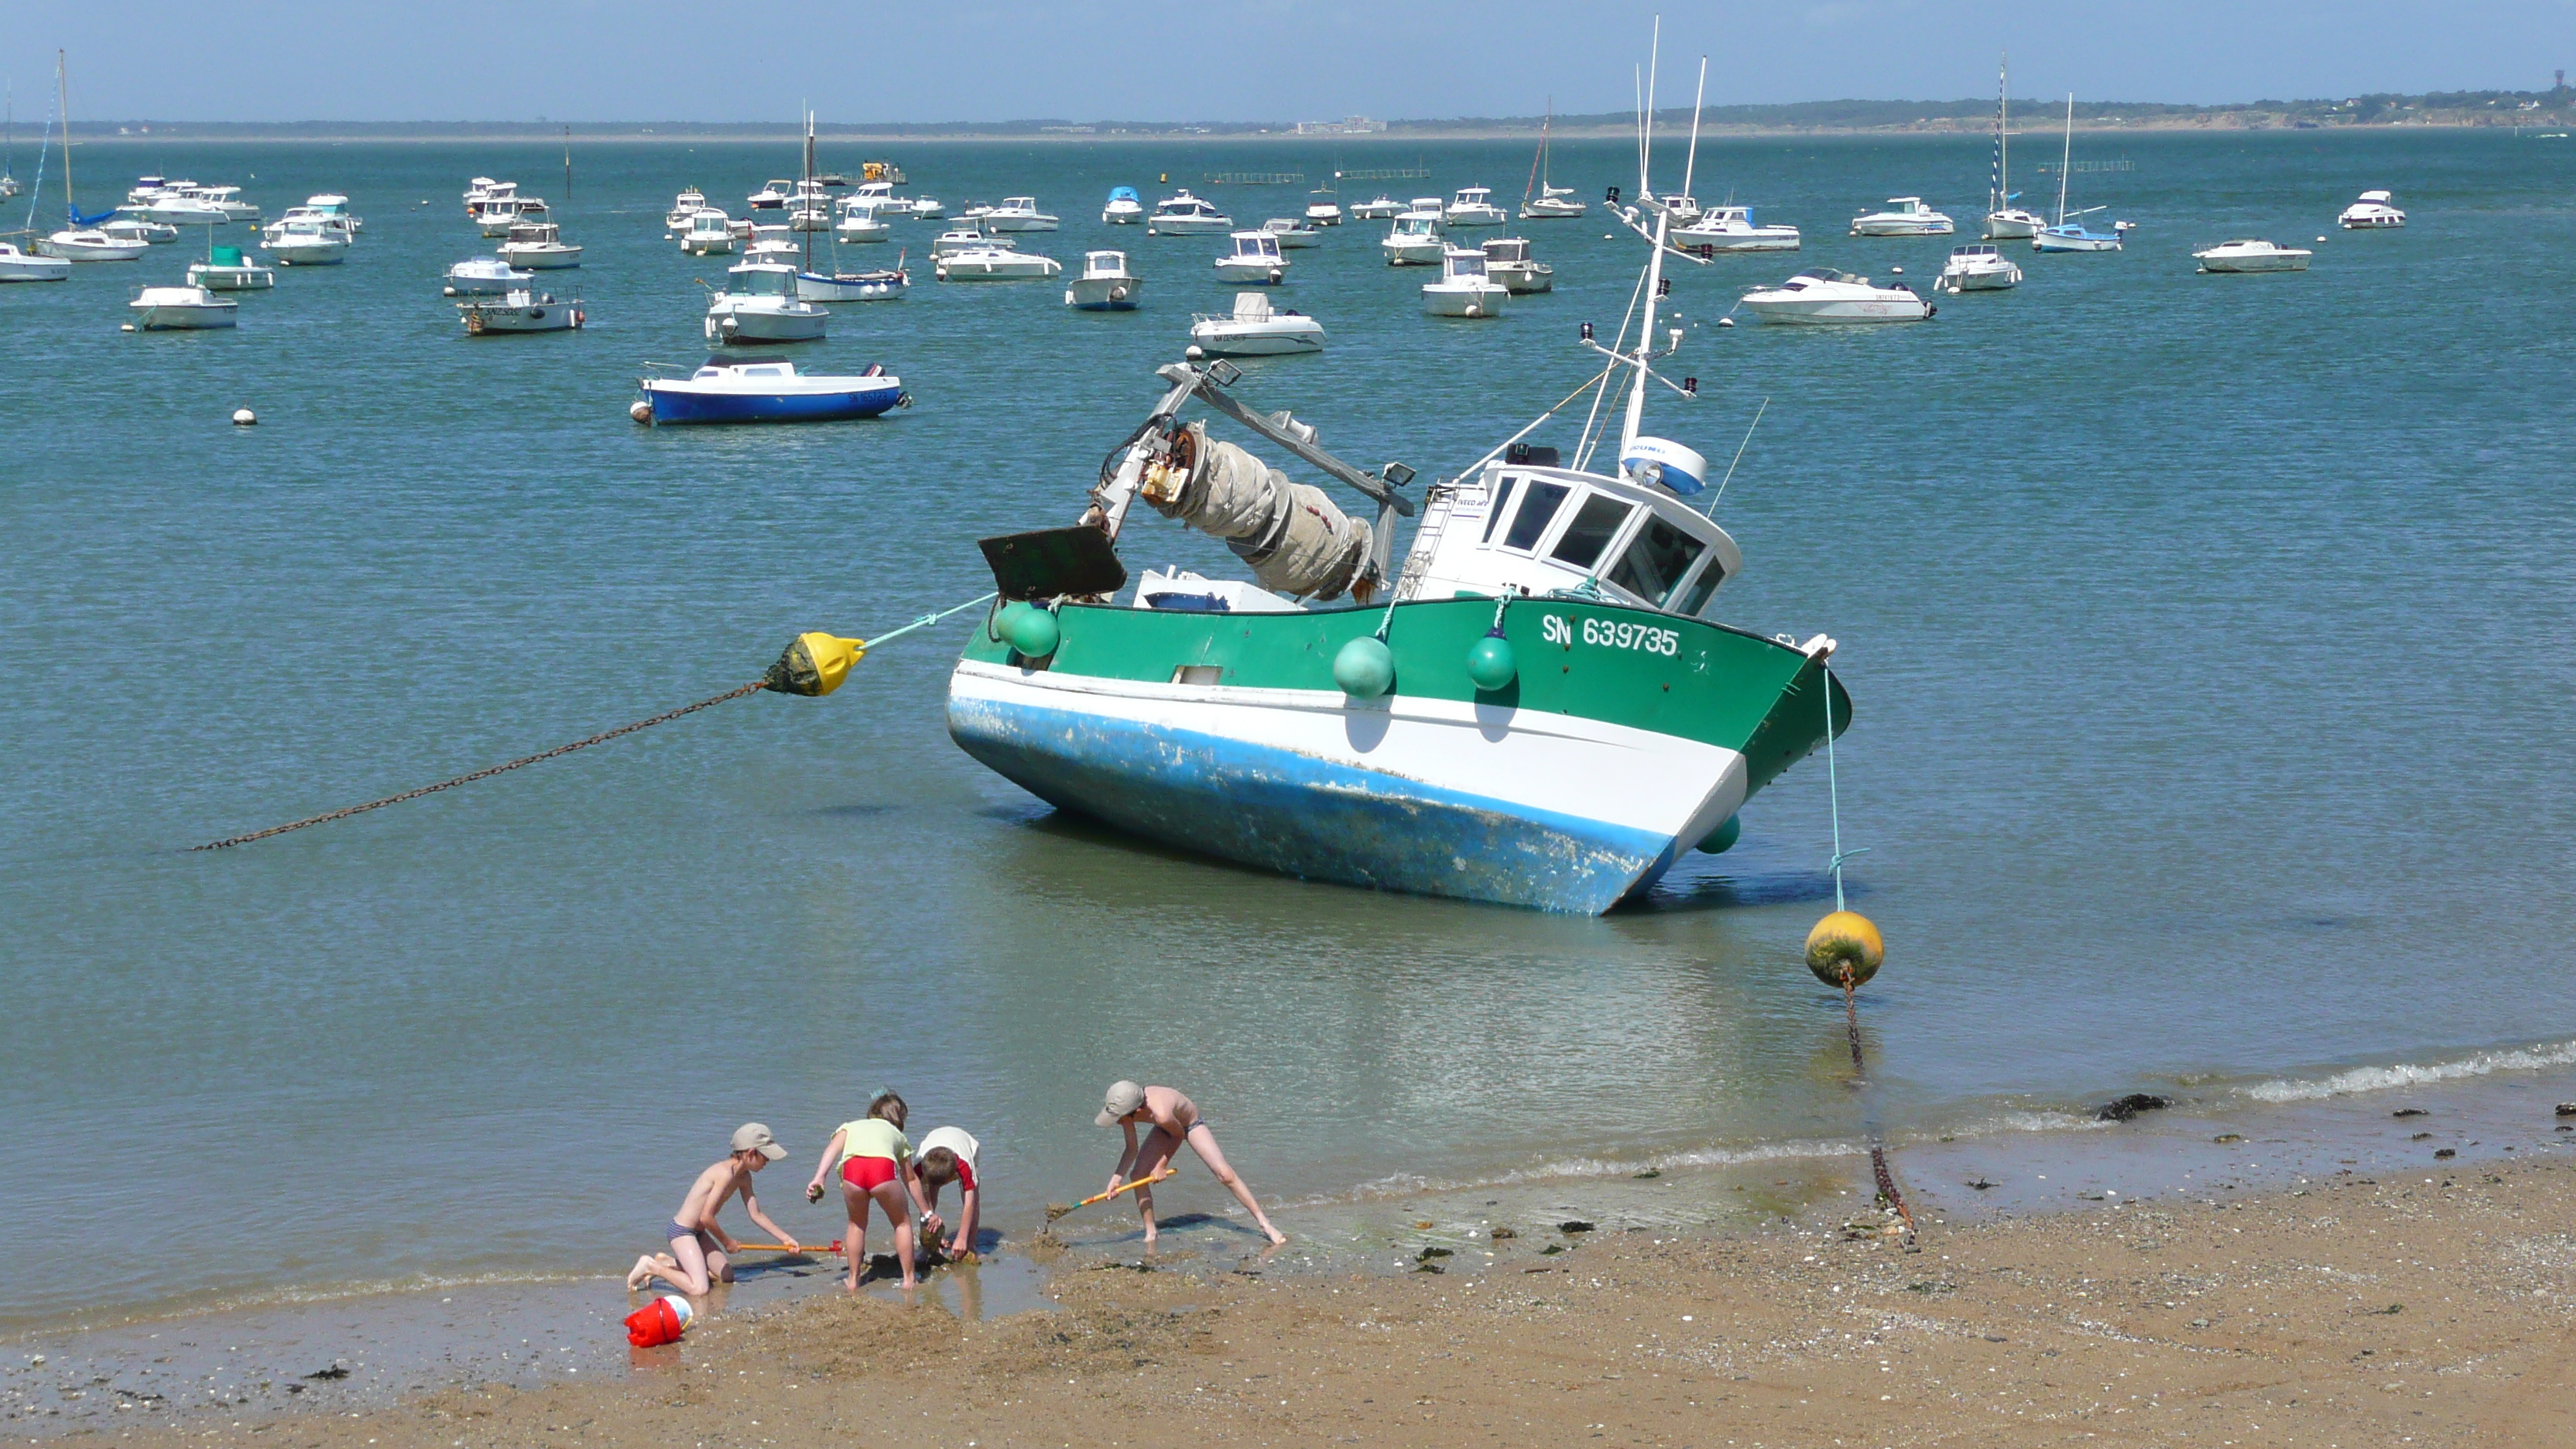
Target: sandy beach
<point>2384,1305</point>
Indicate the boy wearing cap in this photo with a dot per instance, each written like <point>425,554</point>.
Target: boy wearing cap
<point>697,1257</point>
<point>1176,1120</point>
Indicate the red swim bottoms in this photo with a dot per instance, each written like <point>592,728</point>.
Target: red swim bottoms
<point>867,1174</point>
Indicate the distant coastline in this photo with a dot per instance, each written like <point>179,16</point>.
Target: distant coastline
<point>2550,109</point>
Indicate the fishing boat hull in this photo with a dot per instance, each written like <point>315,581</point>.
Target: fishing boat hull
<point>1441,299</point>
<point>1980,279</point>
<point>18,266</point>
<point>860,229</point>
<point>673,401</point>
<point>1756,239</point>
<point>1103,294</point>
<point>1277,337</point>
<point>307,252</point>
<point>1523,279</point>
<point>1122,213</point>
<point>1252,271</point>
<point>2285,260</point>
<point>2057,241</point>
<point>486,317</point>
<point>541,257</point>
<point>230,279</point>
<point>91,247</point>
<point>995,267</point>
<point>1837,311</point>
<point>1568,790</point>
<point>1899,226</point>
<point>1189,225</point>
<point>182,309</point>
<point>761,324</point>
<point>1414,251</point>
<point>851,286</point>
<point>2013,225</point>
<point>1552,209</point>
<point>1462,217</point>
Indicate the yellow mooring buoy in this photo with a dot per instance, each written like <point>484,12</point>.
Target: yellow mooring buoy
<point>1844,950</point>
<point>814,664</point>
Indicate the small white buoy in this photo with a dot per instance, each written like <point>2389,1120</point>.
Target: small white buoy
<point>1609,236</point>
<point>1725,321</point>
<point>1896,271</point>
<point>244,417</point>
<point>640,410</point>
<point>2321,238</point>
<point>128,327</point>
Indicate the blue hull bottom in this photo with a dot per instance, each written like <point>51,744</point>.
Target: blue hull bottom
<point>671,406</point>
<point>1306,817</point>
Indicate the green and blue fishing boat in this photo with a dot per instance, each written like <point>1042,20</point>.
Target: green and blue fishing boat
<point>1537,708</point>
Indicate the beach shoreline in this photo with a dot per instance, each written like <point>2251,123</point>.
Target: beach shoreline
<point>1742,1238</point>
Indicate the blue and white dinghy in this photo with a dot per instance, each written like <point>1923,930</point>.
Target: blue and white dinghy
<point>765,389</point>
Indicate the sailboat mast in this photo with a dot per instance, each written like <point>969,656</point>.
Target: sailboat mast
<point>2002,85</point>
<point>1690,165</point>
<point>63,99</point>
<point>2066,159</point>
<point>805,192</point>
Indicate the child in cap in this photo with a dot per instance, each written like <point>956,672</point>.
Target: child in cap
<point>874,1156</point>
<point>948,1155</point>
<point>1176,1120</point>
<point>697,1257</point>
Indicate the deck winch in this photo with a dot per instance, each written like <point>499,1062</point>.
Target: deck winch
<point>1297,540</point>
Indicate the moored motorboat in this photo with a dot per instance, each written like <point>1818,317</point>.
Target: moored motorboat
<point>1463,289</point>
<point>182,309</point>
<point>304,242</point>
<point>1904,216</point>
<point>2375,211</point>
<point>331,206</point>
<point>1108,283</point>
<point>520,310</point>
<point>484,277</point>
<point>772,196</point>
<point>1255,259</point>
<point>1182,214</point>
<point>135,229</point>
<point>993,262</point>
<point>2005,221</point>
<point>226,270</point>
<point>1541,200</point>
<point>1732,229</point>
<point>89,244</point>
<point>1822,294</point>
<point>761,303</point>
<point>539,247</point>
<point>1125,207</point>
<point>709,234</point>
<point>684,206</point>
<point>1019,213</point>
<point>1508,261</point>
<point>1382,207</point>
<point>2253,255</point>
<point>862,220</point>
<point>752,389</point>
<point>18,266</point>
<point>885,284</point>
<point>1415,239</point>
<point>2069,234</point>
<point>1295,234</point>
<point>1255,329</point>
<point>1978,268</point>
<point>1473,206</point>
<point>1325,209</point>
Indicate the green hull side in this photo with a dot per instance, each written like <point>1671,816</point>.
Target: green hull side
<point>1716,685</point>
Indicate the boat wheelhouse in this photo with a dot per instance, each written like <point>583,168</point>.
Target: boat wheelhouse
<point>1182,214</point>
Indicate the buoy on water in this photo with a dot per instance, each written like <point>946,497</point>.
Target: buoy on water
<point>1725,321</point>
<point>814,664</point>
<point>1844,950</point>
<point>244,418</point>
<point>640,410</point>
<point>128,327</point>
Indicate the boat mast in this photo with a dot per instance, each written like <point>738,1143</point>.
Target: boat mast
<point>2003,164</point>
<point>2066,159</point>
<point>1690,163</point>
<point>805,190</point>
<point>1540,159</point>
<point>1655,263</point>
<point>63,98</point>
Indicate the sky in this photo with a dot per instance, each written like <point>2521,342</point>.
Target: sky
<point>1174,60</point>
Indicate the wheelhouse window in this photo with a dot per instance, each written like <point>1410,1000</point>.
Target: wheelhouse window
<point>1538,508</point>
<point>1595,523</point>
<point>1502,505</point>
<point>1655,562</point>
<point>1702,589</point>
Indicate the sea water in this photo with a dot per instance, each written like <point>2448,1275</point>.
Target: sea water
<point>2207,637</point>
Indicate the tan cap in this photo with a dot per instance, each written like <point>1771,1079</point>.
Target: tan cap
<point>756,1134</point>
<point>1123,1098</point>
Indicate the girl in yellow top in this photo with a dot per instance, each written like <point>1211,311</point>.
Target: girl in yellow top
<point>873,1155</point>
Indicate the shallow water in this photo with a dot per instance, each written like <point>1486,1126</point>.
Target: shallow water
<point>2203,634</point>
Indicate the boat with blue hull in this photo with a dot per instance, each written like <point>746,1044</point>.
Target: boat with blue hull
<point>1535,707</point>
<point>765,390</point>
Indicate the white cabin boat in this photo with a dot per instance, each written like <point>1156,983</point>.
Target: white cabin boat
<point>958,239</point>
<point>182,309</point>
<point>1182,214</point>
<point>2253,255</point>
<point>1325,210</point>
<point>1415,239</point>
<point>1125,207</point>
<point>134,229</point>
<point>1294,233</point>
<point>1256,329</point>
<point>1904,216</point>
<point>331,206</point>
<point>1508,261</point>
<point>304,242</point>
<point>1382,208</point>
<point>683,207</point>
<point>484,277</point>
<point>500,213</point>
<point>1732,229</point>
<point>175,208</point>
<point>760,303</point>
<point>228,200</point>
<point>862,221</point>
<point>18,266</point>
<point>1824,295</point>
<point>1474,206</point>
<point>520,310</point>
<point>772,195</point>
<point>709,234</point>
<point>539,247</point>
<point>1256,259</point>
<point>1108,284</point>
<point>1979,268</point>
<point>2375,211</point>
<point>993,262</point>
<point>1019,213</point>
<point>89,244</point>
<point>1463,289</point>
<point>225,269</point>
<point>884,284</point>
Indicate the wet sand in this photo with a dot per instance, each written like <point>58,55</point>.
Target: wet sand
<point>2403,1298</point>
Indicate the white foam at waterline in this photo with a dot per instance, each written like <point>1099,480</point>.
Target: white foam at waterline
<point>2538,1057</point>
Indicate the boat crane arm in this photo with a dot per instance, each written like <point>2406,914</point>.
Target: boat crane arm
<point>1296,437</point>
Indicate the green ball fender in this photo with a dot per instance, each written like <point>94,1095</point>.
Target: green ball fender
<point>1364,668</point>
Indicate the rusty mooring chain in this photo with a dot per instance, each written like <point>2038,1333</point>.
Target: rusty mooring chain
<point>485,774</point>
<point>1887,1192</point>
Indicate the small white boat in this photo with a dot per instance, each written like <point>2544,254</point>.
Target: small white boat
<point>1732,229</point>
<point>760,303</point>
<point>1182,214</point>
<point>1474,206</point>
<point>1548,202</point>
<point>228,200</point>
<point>519,311</point>
<point>539,247</point>
<point>1383,208</point>
<point>2005,221</point>
<point>1463,289</point>
<point>89,244</point>
<point>880,195</point>
<point>500,213</point>
<point>1325,211</point>
<point>135,229</point>
<point>1255,259</point>
<point>483,190</point>
<point>1905,216</point>
<point>1979,268</point>
<point>861,222</point>
<point>810,218</point>
<point>885,285</point>
<point>173,208</point>
<point>484,277</point>
<point>304,242</point>
<point>683,207</point>
<point>182,309</point>
<point>18,266</point>
<point>2375,211</point>
<point>333,207</point>
<point>776,249</point>
<point>993,262</point>
<point>772,196</point>
<point>1508,261</point>
<point>1125,207</point>
<point>1294,233</point>
<point>1415,240</point>
<point>765,390</point>
<point>226,270</point>
<point>1822,294</point>
<point>1108,284</point>
<point>958,239</point>
<point>1256,329</point>
<point>1018,213</point>
<point>2070,234</point>
<point>2253,255</point>
<point>709,234</point>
